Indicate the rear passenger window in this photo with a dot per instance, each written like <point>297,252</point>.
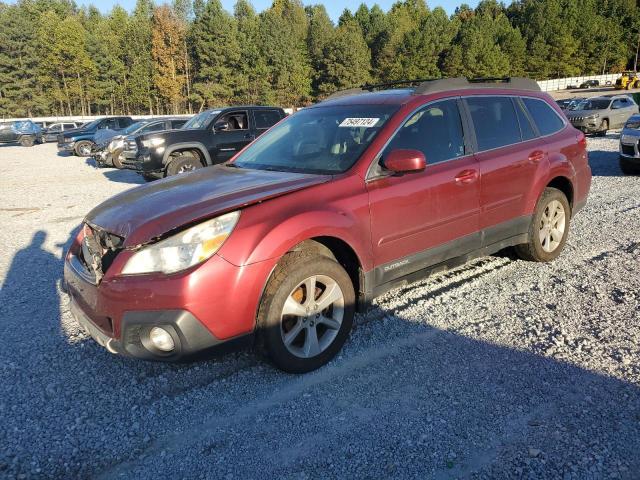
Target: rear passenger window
<point>495,121</point>
<point>546,118</point>
<point>525,125</point>
<point>266,118</point>
<point>435,130</point>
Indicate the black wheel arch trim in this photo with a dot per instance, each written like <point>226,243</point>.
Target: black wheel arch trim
<point>184,146</point>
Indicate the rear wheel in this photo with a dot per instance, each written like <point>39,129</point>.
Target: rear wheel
<point>549,228</point>
<point>629,167</point>
<point>83,148</point>
<point>306,312</point>
<point>27,141</point>
<point>182,164</point>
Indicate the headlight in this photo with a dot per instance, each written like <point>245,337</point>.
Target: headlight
<point>594,116</point>
<point>185,249</point>
<point>633,124</point>
<point>153,142</point>
<point>115,144</point>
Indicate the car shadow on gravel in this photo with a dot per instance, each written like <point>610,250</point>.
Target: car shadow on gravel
<point>116,175</point>
<point>403,400</point>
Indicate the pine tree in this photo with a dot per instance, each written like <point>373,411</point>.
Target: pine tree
<point>216,55</point>
<point>167,52</point>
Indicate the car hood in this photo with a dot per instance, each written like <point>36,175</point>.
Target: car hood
<point>143,214</point>
<point>582,113</point>
<point>105,135</point>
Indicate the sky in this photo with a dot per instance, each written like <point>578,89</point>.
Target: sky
<point>334,7</point>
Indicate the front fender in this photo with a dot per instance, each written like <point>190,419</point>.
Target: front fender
<point>183,146</point>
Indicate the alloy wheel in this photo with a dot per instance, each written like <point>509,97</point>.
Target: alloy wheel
<point>552,226</point>
<point>312,316</point>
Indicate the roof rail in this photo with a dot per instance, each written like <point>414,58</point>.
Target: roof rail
<point>433,85</point>
<point>369,87</point>
<point>443,84</point>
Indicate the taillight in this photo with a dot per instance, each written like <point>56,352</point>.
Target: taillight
<point>582,139</point>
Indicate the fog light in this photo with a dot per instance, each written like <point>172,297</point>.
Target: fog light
<point>161,339</point>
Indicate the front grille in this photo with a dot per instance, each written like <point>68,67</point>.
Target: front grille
<point>98,251</point>
<point>628,150</point>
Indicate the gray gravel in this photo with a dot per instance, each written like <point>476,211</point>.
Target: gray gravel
<point>499,369</point>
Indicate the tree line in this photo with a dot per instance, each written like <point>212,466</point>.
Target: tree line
<point>59,59</point>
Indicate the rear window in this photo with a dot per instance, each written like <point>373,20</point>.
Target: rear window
<point>266,118</point>
<point>545,117</point>
<point>178,123</point>
<point>495,121</point>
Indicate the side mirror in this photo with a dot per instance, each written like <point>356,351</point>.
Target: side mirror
<point>221,126</point>
<point>405,161</point>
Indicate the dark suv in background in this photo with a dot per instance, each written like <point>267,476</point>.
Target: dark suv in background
<point>80,141</point>
<point>24,132</point>
<point>211,137</point>
<point>338,203</point>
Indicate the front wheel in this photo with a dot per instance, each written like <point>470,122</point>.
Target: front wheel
<point>629,167</point>
<point>183,164</point>
<point>306,312</point>
<point>549,228</point>
<point>27,141</point>
<point>604,126</point>
<point>83,149</point>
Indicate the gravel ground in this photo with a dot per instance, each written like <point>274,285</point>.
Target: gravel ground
<point>498,369</point>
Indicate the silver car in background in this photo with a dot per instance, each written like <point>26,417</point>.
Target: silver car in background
<point>598,114</point>
<point>629,146</point>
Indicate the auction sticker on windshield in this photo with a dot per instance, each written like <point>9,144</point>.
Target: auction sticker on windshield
<point>359,122</point>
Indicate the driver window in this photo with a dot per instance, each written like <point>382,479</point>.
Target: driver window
<point>435,130</point>
<point>236,121</point>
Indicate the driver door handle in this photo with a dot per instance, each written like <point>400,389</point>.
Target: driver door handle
<point>466,176</point>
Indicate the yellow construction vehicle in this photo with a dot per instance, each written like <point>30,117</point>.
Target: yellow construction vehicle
<point>627,81</point>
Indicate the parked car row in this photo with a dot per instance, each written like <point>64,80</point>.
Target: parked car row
<point>331,207</point>
<point>169,146</point>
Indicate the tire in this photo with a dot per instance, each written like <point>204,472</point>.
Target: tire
<point>628,167</point>
<point>330,326</point>
<point>115,160</point>
<point>83,148</point>
<point>604,126</point>
<point>27,141</point>
<point>182,164</point>
<point>536,249</point>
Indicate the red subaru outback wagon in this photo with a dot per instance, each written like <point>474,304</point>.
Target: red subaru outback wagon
<point>331,207</point>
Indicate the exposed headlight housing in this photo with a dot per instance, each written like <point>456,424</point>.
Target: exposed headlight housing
<point>115,144</point>
<point>153,142</point>
<point>185,249</point>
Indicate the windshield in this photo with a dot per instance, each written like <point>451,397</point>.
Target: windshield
<point>321,140</point>
<point>201,120</point>
<point>593,104</point>
<point>92,124</point>
<point>134,126</point>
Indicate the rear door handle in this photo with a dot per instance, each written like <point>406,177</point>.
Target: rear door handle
<point>467,176</point>
<point>536,157</point>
